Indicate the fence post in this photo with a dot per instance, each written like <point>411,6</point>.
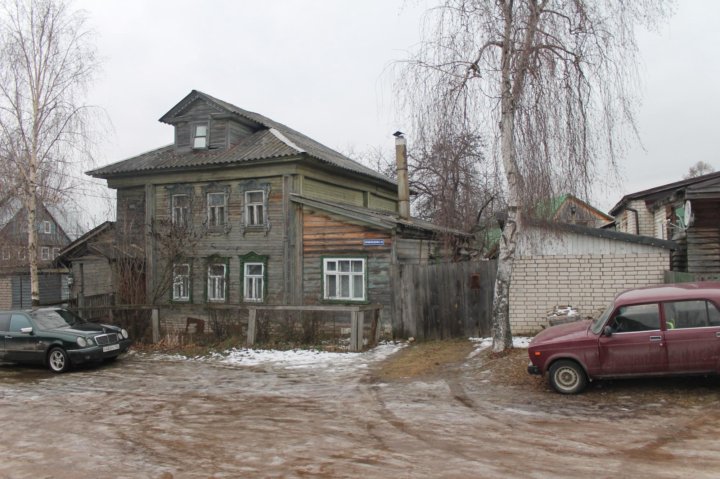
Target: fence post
<point>155,325</point>
<point>251,330</point>
<point>357,318</point>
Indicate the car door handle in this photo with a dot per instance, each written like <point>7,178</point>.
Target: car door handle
<point>8,337</point>
<point>717,335</point>
<point>655,338</point>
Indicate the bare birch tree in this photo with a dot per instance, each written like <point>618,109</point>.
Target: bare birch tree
<point>553,81</point>
<point>47,60</point>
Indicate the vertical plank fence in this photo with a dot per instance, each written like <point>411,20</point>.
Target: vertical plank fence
<point>441,301</point>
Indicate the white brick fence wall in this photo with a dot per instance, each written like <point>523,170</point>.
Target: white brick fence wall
<point>587,282</point>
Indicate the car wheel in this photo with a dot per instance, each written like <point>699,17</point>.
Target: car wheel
<point>567,377</point>
<point>58,360</point>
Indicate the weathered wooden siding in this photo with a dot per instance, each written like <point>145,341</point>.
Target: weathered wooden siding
<point>131,216</point>
<point>703,238</point>
<point>325,191</point>
<point>233,241</point>
<point>413,251</point>
<point>380,203</point>
<point>92,276</point>
<point>325,236</point>
<point>446,300</point>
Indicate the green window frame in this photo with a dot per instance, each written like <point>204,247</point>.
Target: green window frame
<point>216,283</point>
<point>253,277</point>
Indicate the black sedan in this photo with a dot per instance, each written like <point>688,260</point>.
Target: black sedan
<point>57,338</point>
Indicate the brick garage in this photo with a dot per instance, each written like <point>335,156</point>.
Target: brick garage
<point>581,267</point>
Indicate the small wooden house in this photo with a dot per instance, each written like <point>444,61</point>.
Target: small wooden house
<point>243,210</point>
<point>14,263</point>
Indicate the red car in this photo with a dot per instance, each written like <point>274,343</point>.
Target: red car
<point>672,329</point>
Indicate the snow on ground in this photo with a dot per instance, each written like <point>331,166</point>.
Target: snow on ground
<point>305,358</point>
<point>484,343</point>
<point>313,359</point>
<point>296,358</point>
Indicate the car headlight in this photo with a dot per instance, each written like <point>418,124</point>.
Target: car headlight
<point>90,341</point>
<point>124,333</point>
<point>81,342</point>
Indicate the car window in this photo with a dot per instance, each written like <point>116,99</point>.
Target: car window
<point>713,314</point>
<point>4,322</point>
<point>690,314</point>
<point>637,317</point>
<point>51,319</point>
<point>17,322</point>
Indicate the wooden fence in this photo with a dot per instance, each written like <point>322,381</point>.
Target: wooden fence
<point>143,321</point>
<point>439,301</point>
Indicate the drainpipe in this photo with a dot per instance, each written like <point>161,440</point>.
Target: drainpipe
<point>637,221</point>
<point>402,176</point>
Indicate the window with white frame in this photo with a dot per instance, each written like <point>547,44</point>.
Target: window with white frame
<point>21,254</point>
<point>181,282</point>
<point>44,253</point>
<point>254,281</point>
<point>55,252</point>
<point>217,208</point>
<point>344,279</point>
<point>47,227</point>
<point>217,273</point>
<point>180,209</point>
<point>200,136</point>
<point>6,254</point>
<point>254,208</point>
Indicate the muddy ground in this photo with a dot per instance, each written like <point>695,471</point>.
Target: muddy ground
<point>427,411</point>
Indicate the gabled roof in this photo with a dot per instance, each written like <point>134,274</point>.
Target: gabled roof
<point>553,207</point>
<point>380,219</point>
<point>658,192</point>
<point>60,217</point>
<point>270,141</point>
<point>80,243</point>
<point>8,211</point>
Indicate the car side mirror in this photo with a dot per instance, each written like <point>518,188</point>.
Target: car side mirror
<point>27,330</point>
<point>608,331</point>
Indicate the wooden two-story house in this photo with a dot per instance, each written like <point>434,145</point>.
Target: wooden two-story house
<point>14,262</point>
<point>242,210</point>
<point>685,211</point>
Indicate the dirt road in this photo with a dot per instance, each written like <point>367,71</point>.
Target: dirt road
<point>149,417</point>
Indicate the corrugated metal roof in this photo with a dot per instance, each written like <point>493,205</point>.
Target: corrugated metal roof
<point>274,140</point>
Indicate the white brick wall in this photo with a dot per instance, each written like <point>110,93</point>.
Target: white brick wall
<point>586,282</point>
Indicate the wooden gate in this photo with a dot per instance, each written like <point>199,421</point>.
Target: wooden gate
<point>439,301</point>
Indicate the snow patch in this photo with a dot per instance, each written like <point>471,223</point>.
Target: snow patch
<point>521,342</point>
<point>296,358</point>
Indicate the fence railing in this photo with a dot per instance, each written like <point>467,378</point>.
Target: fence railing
<point>144,320</point>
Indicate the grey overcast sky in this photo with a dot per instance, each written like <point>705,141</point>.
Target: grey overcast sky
<point>320,67</point>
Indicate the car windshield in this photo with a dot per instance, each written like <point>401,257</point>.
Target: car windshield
<point>55,318</point>
<point>597,325</point>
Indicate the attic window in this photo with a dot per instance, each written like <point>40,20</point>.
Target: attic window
<point>200,136</point>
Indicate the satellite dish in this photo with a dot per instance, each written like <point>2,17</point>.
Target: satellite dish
<point>688,215</point>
